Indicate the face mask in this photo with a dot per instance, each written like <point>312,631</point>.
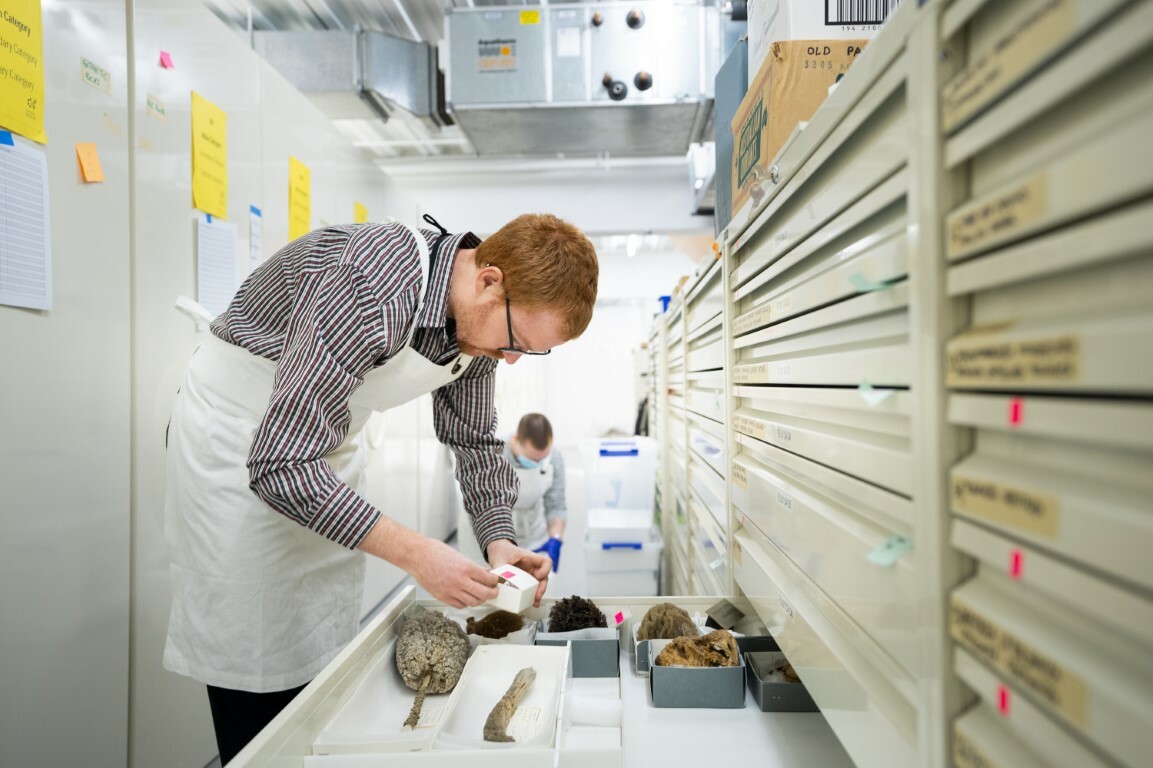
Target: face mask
<point>527,463</point>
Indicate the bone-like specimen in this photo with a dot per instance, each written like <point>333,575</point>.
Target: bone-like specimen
<point>495,625</point>
<point>716,649</point>
<point>497,722</point>
<point>664,621</point>
<point>431,652</point>
<point>573,613</point>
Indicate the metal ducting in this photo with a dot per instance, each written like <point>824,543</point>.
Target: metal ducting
<point>627,79</point>
<point>359,74</point>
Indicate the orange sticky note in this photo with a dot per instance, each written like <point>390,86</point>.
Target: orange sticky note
<point>89,161</point>
<point>166,60</point>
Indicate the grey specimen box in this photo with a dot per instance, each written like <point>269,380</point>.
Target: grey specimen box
<point>776,695</point>
<point>596,651</point>
<point>708,687</point>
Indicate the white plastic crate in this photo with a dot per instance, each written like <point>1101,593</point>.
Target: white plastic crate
<point>620,473</point>
<point>624,567</point>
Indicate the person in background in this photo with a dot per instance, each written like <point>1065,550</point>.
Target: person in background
<point>265,528</point>
<point>540,512</point>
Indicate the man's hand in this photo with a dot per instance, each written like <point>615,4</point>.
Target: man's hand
<point>448,575</point>
<point>504,552</point>
<point>552,549</point>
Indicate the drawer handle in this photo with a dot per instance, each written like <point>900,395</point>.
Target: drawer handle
<point>621,545</point>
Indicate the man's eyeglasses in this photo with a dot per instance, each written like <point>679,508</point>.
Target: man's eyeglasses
<point>512,348</point>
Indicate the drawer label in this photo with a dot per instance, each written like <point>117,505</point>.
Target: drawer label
<point>785,605</point>
<point>785,500</point>
<point>995,218</point>
<point>1062,690</point>
<point>740,477</point>
<point>1036,513</point>
<point>757,373</point>
<point>976,359</point>
<point>1029,41</point>
<point>782,371</point>
<point>754,427</point>
<point>755,319</point>
<point>783,434</point>
<point>966,754</point>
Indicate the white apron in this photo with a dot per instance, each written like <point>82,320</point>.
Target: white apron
<point>528,512</point>
<point>259,602</point>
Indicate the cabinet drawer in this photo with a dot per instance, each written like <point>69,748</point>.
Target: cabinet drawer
<point>707,487</point>
<point>1095,683</point>
<point>875,723</point>
<point>706,353</point>
<point>706,441</point>
<point>709,550</point>
<point>706,401</point>
<point>835,548</point>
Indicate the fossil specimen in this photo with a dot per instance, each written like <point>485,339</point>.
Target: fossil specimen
<point>716,649</point>
<point>666,621</point>
<point>573,613</point>
<point>430,655</point>
<point>497,722</point>
<point>495,625</point>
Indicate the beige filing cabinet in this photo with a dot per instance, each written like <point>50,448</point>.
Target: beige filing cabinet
<point>938,390</point>
<point>353,709</point>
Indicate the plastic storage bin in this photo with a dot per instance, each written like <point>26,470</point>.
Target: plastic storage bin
<point>624,567</point>
<point>620,473</point>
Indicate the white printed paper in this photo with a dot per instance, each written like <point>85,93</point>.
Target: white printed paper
<point>215,264</point>
<point>255,237</point>
<point>25,226</point>
<point>568,42</point>
<point>525,723</point>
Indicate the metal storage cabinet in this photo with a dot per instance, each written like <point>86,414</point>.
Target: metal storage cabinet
<point>939,389</point>
<point>1048,249</point>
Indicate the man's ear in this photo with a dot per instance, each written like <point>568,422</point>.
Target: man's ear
<point>488,277</point>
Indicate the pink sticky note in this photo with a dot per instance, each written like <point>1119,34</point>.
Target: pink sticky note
<point>166,60</point>
<point>619,617</point>
<point>1016,412</point>
<point>508,575</point>
<point>1016,563</point>
<point>1003,700</point>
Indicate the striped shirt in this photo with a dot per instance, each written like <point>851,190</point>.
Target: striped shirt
<point>328,308</point>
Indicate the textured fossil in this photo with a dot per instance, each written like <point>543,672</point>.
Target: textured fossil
<point>573,613</point>
<point>716,649</point>
<point>431,652</point>
<point>496,725</point>
<point>665,621</point>
<point>495,625</point>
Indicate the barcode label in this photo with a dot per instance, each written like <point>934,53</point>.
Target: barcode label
<point>858,11</point>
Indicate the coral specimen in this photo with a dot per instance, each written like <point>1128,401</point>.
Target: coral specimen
<point>495,625</point>
<point>497,722</point>
<point>664,621</point>
<point>573,613</point>
<point>431,652</point>
<point>716,649</point>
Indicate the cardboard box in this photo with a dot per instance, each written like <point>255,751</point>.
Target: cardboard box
<point>707,687</point>
<point>774,21</point>
<point>789,88</point>
<point>596,652</point>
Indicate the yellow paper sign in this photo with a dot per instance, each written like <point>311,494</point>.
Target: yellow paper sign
<point>89,161</point>
<point>209,157</point>
<point>22,69</point>
<point>359,213</point>
<point>299,198</point>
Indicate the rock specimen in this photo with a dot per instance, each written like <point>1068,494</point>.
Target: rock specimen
<point>431,652</point>
<point>573,613</point>
<point>716,649</point>
<point>664,621</point>
<point>496,725</point>
<point>495,625</point>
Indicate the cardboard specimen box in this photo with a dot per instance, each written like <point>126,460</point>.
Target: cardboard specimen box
<point>791,84</point>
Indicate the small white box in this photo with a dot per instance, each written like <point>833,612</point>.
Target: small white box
<point>516,591</point>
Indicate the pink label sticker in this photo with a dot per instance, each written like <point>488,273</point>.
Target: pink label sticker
<point>1003,700</point>
<point>166,60</point>
<point>1016,412</point>
<point>508,575</point>
<point>619,617</point>
<point>1016,563</point>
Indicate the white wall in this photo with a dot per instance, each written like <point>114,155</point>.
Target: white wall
<point>65,429</point>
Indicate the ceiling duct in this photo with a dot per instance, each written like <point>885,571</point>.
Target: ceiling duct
<point>359,74</point>
<point>584,79</point>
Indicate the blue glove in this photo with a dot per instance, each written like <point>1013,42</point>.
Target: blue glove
<point>552,549</point>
